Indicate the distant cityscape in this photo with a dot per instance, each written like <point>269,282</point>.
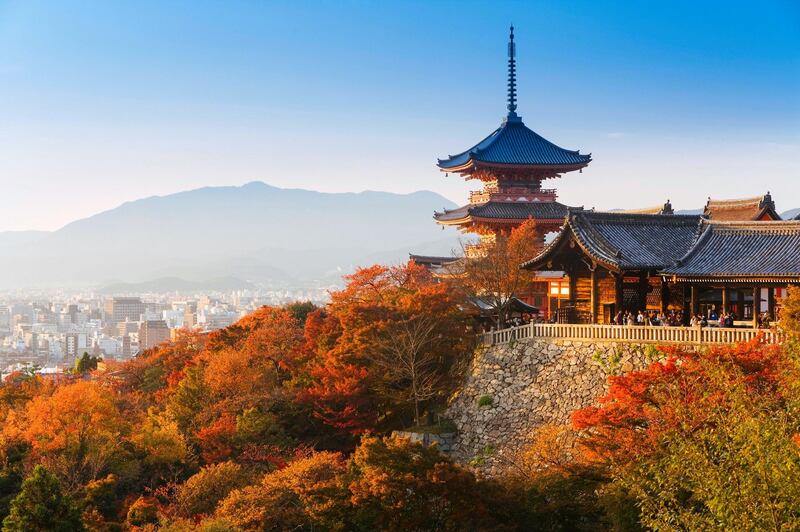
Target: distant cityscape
<point>48,331</point>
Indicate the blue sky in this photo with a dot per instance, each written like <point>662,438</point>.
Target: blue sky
<point>103,102</point>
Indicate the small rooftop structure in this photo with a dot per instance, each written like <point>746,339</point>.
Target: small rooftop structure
<point>742,209</point>
<point>659,209</point>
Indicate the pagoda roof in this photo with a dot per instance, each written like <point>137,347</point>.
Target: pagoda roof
<point>513,143</point>
<point>503,210</point>
<point>742,209</point>
<point>622,241</point>
<point>743,251</point>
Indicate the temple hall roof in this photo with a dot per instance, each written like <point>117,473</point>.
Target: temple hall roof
<point>742,209</point>
<point>742,250</point>
<point>657,209</point>
<point>622,241</point>
<point>513,143</point>
<point>500,210</point>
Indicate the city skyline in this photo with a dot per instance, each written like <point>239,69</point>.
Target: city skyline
<point>113,103</point>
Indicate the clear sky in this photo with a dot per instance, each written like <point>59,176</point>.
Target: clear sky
<point>103,102</point>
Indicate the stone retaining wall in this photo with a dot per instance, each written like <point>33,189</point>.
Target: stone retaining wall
<point>528,384</point>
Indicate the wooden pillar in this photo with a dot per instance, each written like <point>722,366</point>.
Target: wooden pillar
<point>724,308</point>
<point>756,305</point>
<point>617,293</point>
<point>593,296</point>
<point>771,302</point>
<point>644,286</point>
<point>694,304</point>
<point>573,287</point>
<point>664,296</point>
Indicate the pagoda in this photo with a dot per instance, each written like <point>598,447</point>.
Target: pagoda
<point>511,162</point>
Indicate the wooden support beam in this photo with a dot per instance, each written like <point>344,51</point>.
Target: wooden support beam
<point>617,293</point>
<point>694,305</point>
<point>593,296</point>
<point>664,296</point>
<point>756,305</point>
<point>771,302</point>
<point>724,308</point>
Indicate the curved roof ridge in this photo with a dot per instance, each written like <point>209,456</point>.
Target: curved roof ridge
<point>470,150</point>
<point>630,217</point>
<point>734,201</point>
<point>703,232</point>
<point>602,243</point>
<point>513,143</point>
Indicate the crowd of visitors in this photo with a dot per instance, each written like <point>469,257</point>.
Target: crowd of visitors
<point>672,318</point>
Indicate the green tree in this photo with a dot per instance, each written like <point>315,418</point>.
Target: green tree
<point>300,310</point>
<point>42,505</point>
<point>86,363</point>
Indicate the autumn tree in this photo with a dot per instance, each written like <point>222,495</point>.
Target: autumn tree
<point>790,313</point>
<point>400,336</point>
<point>309,493</point>
<point>77,432</point>
<point>491,272</point>
<point>704,440</point>
<point>399,485</point>
<point>201,493</point>
<point>43,505</point>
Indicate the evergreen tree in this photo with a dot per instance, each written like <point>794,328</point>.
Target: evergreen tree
<point>42,505</point>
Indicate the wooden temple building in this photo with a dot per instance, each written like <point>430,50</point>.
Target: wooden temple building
<point>666,262</point>
<point>736,256</point>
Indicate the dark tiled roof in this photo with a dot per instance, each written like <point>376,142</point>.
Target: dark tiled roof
<point>625,241</point>
<point>431,260</point>
<point>742,249</point>
<point>500,210</point>
<point>514,143</point>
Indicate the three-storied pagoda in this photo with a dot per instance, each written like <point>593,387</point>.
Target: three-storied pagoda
<point>512,162</point>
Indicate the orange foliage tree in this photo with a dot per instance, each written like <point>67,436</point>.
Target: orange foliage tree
<point>493,274</point>
<point>704,440</point>
<point>76,433</point>
<point>391,339</point>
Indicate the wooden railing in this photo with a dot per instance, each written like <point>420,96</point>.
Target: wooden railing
<point>630,333</point>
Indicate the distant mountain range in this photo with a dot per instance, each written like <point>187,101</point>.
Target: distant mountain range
<point>176,284</point>
<point>255,233</point>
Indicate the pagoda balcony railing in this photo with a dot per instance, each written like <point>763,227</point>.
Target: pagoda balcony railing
<point>482,196</point>
<point>631,333</point>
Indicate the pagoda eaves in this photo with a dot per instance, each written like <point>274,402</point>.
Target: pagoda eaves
<point>514,148</point>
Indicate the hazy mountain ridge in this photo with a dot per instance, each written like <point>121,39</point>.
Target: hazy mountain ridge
<point>255,232</point>
<point>176,284</point>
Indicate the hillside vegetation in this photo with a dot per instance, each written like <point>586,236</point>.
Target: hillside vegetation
<point>283,420</point>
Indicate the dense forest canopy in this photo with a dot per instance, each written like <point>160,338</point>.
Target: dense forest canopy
<point>283,421</point>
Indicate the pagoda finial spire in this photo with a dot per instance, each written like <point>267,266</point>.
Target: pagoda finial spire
<point>512,75</point>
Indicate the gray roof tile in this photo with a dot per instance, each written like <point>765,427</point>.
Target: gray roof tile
<point>515,143</point>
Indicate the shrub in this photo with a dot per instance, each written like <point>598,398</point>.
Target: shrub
<point>486,400</point>
<point>202,492</point>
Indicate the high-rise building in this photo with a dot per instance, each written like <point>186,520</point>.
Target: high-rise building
<point>124,308</point>
<point>152,333</point>
<point>190,315</point>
